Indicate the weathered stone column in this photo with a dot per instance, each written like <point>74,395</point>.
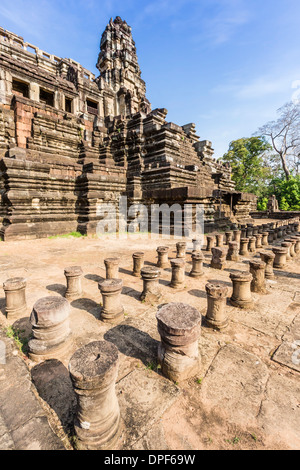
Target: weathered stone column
<point>237,236</point>
<point>255,231</point>
<point>218,260</point>
<point>244,244</point>
<point>219,240</point>
<point>112,268</point>
<point>179,326</point>
<point>112,310</point>
<point>15,297</point>
<point>244,231</point>
<point>264,240</point>
<point>197,245</point>
<point>297,244</point>
<point>287,245</point>
<point>178,273</point>
<point>233,252</point>
<point>280,257</point>
<point>73,277</point>
<point>197,264</point>
<point>210,242</point>
<point>163,259</point>
<point>249,231</point>
<point>258,240</point>
<point>258,283</point>
<point>268,258</point>
<point>93,371</point>
<point>292,247</point>
<point>52,338</point>
<point>181,249</point>
<point>151,290</point>
<point>241,295</point>
<point>228,238</point>
<point>279,232</point>
<point>271,237</point>
<point>252,245</point>
<point>138,263</point>
<point>216,316</point>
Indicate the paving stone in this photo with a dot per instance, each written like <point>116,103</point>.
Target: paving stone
<point>143,397</point>
<point>234,385</point>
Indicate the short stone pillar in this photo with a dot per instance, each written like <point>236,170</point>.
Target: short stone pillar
<point>112,268</point>
<point>210,239</point>
<point>178,273</point>
<point>244,244</point>
<point>297,244</point>
<point>255,231</point>
<point>163,259</point>
<point>264,240</point>
<point>258,283</point>
<point>216,316</point>
<point>258,240</point>
<point>233,252</point>
<point>287,245</point>
<point>197,264</point>
<point>219,240</point>
<point>292,247</point>
<point>197,245</point>
<point>268,258</point>
<point>151,290</point>
<point>228,237</point>
<point>237,236</point>
<point>112,310</point>
<point>181,249</point>
<point>241,294</point>
<point>15,297</point>
<point>271,237</point>
<point>243,232</point>
<point>280,257</point>
<point>93,371</point>
<point>179,326</point>
<point>218,260</point>
<point>249,232</point>
<point>73,277</point>
<point>138,263</point>
<point>279,232</point>
<point>51,334</point>
<point>252,245</point>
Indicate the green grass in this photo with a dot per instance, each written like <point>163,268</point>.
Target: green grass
<point>20,340</point>
<point>68,235</point>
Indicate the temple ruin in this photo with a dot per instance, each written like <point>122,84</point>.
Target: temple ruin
<point>71,142</point>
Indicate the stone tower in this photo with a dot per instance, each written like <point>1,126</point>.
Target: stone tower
<point>120,71</point>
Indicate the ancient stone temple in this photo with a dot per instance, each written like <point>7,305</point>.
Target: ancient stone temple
<point>71,142</point>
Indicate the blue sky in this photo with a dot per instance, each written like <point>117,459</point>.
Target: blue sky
<point>226,65</point>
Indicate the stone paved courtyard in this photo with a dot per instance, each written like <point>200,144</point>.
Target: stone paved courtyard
<point>246,394</point>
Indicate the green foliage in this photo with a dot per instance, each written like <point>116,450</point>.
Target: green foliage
<point>251,170</point>
<point>286,191</point>
<point>21,341</point>
<point>262,204</point>
<point>68,235</point>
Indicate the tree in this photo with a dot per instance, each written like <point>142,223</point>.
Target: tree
<point>250,169</point>
<point>284,135</point>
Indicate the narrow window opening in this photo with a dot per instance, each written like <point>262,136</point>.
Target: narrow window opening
<point>20,88</point>
<point>46,97</point>
<point>92,107</point>
<point>68,105</point>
